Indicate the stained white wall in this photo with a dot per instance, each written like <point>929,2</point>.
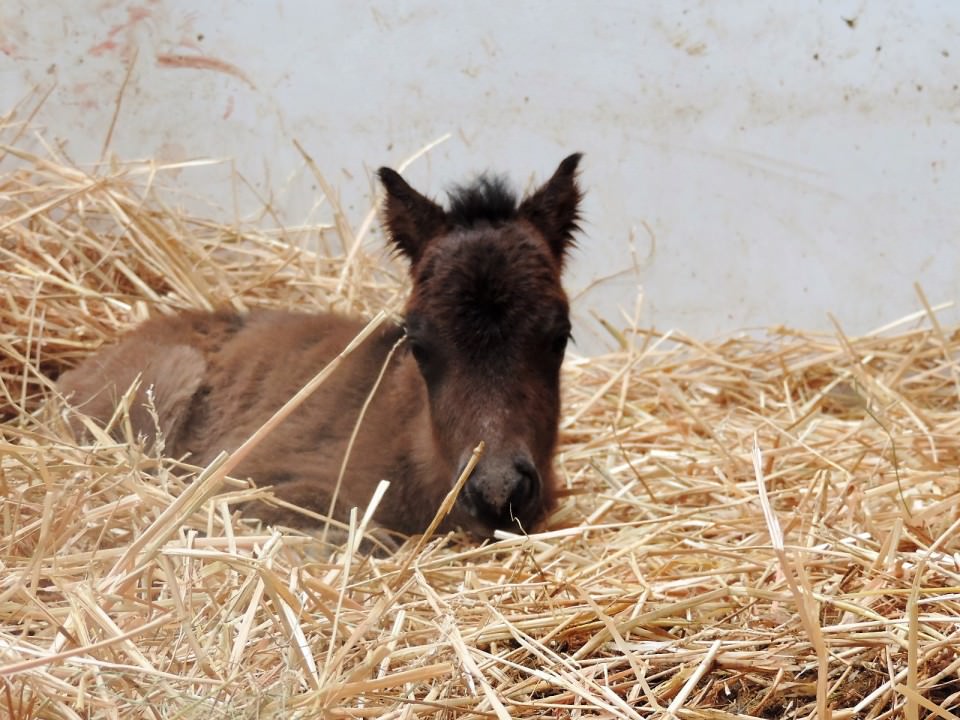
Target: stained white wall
<point>748,163</point>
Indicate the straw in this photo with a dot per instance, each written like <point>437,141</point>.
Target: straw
<point>758,526</point>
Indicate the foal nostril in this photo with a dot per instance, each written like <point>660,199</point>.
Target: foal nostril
<point>527,483</point>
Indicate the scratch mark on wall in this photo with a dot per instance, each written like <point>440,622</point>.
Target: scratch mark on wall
<point>203,62</point>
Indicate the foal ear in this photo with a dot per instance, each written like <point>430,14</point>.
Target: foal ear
<point>554,209</point>
<point>411,219</point>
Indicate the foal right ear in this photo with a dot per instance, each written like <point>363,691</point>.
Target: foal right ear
<point>555,208</point>
<point>411,219</point>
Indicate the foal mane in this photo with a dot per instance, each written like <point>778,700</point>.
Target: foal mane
<point>488,199</point>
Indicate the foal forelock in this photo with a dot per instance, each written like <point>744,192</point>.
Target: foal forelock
<point>486,291</point>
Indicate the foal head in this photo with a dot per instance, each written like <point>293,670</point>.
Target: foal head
<point>487,323</point>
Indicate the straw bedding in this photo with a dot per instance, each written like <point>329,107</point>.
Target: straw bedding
<point>759,527</point>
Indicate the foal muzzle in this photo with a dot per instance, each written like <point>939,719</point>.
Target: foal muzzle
<point>503,493</point>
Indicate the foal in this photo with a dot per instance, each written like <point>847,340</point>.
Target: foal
<point>484,334</point>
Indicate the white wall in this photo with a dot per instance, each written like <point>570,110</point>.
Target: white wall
<point>773,161</point>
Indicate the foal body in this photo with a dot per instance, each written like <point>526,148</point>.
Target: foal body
<point>216,378</point>
<point>483,339</point>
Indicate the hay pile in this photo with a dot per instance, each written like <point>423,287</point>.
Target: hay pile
<point>753,528</point>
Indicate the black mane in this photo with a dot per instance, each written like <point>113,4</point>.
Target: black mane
<point>488,199</point>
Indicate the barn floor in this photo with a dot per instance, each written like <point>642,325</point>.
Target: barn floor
<point>754,527</point>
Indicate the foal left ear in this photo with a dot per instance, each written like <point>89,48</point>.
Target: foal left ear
<point>554,209</point>
<point>411,219</point>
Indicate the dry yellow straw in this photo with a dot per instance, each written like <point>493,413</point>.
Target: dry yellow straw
<point>684,574</point>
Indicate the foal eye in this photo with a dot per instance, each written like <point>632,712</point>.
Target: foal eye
<point>559,344</point>
<point>420,353</point>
